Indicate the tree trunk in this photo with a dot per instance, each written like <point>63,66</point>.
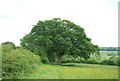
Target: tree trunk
<point>59,58</point>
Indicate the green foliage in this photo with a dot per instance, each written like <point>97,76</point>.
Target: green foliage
<point>82,60</point>
<point>92,61</point>
<point>56,37</point>
<point>71,59</point>
<point>45,60</point>
<point>104,58</point>
<point>68,59</point>
<point>10,43</point>
<point>17,63</point>
<point>0,61</point>
<point>7,48</point>
<point>108,62</point>
<point>118,61</point>
<point>109,57</point>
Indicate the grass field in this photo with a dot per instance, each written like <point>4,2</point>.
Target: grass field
<point>75,71</point>
<point>109,53</point>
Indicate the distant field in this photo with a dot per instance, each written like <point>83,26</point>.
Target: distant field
<point>109,52</point>
<point>75,71</point>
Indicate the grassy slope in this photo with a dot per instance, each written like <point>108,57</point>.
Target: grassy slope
<point>75,71</point>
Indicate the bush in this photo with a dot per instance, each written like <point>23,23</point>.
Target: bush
<point>82,60</point>
<point>71,59</point>
<point>18,63</point>
<point>118,61</point>
<point>92,61</point>
<point>45,60</point>
<point>68,59</point>
<point>108,62</point>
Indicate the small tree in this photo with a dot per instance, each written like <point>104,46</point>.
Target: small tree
<point>55,38</point>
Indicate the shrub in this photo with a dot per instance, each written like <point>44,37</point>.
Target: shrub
<point>45,60</point>
<point>71,59</point>
<point>118,61</point>
<point>108,62</point>
<point>18,63</point>
<point>92,61</point>
<point>82,60</point>
<point>10,44</point>
<point>6,48</point>
<point>68,59</point>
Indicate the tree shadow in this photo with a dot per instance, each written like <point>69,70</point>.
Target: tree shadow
<point>75,65</point>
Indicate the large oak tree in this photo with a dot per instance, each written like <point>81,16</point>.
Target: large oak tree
<point>55,38</point>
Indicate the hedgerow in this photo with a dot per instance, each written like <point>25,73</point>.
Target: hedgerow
<point>17,63</point>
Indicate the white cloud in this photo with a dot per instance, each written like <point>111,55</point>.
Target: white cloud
<point>97,17</point>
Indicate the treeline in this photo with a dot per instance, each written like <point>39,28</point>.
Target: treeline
<point>108,48</point>
<point>94,59</point>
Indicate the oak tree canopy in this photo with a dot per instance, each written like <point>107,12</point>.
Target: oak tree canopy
<point>55,38</point>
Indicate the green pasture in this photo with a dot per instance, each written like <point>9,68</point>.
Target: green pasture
<point>74,71</point>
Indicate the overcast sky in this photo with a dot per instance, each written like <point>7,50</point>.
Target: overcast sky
<point>99,18</point>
